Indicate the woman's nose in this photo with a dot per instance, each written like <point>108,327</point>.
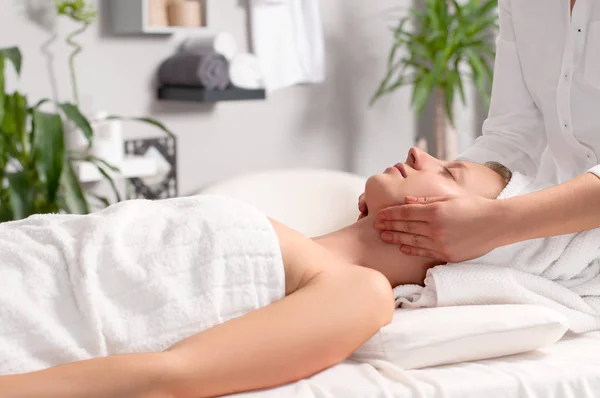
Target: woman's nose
<point>414,158</point>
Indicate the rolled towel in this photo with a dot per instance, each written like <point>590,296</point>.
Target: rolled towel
<point>210,70</point>
<point>245,72</point>
<point>220,43</point>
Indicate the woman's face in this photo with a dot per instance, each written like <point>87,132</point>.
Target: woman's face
<point>424,175</point>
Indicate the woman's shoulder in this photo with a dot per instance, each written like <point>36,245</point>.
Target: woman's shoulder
<point>302,257</point>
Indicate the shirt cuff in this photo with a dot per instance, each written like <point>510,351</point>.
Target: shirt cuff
<point>595,170</point>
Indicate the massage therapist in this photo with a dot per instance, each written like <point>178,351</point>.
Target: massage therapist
<point>544,121</point>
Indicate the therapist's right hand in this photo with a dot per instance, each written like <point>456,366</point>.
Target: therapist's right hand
<point>450,229</point>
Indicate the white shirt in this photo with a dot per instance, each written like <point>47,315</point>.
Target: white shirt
<point>546,90</point>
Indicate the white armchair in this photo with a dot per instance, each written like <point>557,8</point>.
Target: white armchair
<point>312,201</point>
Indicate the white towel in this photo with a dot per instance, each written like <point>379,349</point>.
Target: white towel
<point>221,43</point>
<point>561,272</point>
<point>287,38</point>
<point>136,277</point>
<point>245,72</point>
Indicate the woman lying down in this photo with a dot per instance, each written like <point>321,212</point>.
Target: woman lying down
<point>201,296</point>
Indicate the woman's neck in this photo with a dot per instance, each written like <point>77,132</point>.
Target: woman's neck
<point>360,244</point>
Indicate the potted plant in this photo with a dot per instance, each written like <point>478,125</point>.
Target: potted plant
<point>451,40</point>
<point>36,169</point>
<point>83,14</point>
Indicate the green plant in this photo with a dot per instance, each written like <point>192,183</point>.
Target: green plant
<point>448,35</point>
<point>85,14</point>
<point>37,173</point>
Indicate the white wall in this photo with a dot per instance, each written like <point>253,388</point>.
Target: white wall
<point>327,125</point>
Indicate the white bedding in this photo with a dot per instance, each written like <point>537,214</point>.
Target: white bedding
<point>569,368</point>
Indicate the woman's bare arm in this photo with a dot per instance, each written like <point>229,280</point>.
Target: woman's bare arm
<point>335,308</point>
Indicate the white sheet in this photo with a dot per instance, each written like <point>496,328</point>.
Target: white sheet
<point>569,368</point>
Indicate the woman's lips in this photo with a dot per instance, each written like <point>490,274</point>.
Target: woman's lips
<point>401,169</point>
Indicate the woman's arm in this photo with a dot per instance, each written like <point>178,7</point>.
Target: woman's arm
<point>333,310</point>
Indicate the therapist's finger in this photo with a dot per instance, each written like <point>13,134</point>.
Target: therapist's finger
<point>401,238</point>
<point>406,212</point>
<point>423,200</point>
<point>362,204</point>
<point>411,227</point>
<point>419,252</point>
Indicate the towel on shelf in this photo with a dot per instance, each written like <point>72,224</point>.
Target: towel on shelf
<point>288,40</point>
<point>221,43</point>
<point>245,72</point>
<point>136,277</point>
<point>561,272</point>
<point>209,70</point>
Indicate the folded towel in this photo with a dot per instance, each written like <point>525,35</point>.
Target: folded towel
<point>561,272</point>
<point>245,72</point>
<point>209,70</point>
<point>136,277</point>
<point>221,43</point>
<point>288,39</point>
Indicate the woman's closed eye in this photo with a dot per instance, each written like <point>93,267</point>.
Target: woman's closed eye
<point>449,172</point>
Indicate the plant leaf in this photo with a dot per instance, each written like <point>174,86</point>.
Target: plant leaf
<point>102,199</point>
<point>421,93</point>
<point>73,113</point>
<point>479,75</point>
<point>110,181</point>
<point>74,197</point>
<point>148,120</point>
<point>448,102</point>
<point>20,110</point>
<point>21,194</point>
<point>38,104</point>
<point>14,55</point>
<point>2,86</point>
<point>49,147</point>
<point>6,213</point>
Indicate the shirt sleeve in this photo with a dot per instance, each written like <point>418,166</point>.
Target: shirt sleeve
<point>514,133</point>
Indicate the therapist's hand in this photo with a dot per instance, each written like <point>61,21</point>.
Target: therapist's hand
<point>450,229</point>
<point>362,207</point>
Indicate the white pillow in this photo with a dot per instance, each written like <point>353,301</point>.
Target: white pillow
<point>423,337</point>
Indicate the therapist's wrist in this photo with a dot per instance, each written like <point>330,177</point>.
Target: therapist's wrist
<point>507,221</point>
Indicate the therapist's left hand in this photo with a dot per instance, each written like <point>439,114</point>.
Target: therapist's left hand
<point>450,229</point>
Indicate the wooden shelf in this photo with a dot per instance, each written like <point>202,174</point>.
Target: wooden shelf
<point>198,94</point>
<point>130,17</point>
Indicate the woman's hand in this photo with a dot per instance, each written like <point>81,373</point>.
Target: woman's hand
<point>450,229</point>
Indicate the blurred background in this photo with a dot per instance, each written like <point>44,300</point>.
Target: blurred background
<point>326,123</point>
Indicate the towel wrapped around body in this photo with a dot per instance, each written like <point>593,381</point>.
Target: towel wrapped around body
<point>138,276</point>
<point>560,272</point>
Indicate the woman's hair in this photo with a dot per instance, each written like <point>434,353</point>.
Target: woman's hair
<point>501,169</point>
